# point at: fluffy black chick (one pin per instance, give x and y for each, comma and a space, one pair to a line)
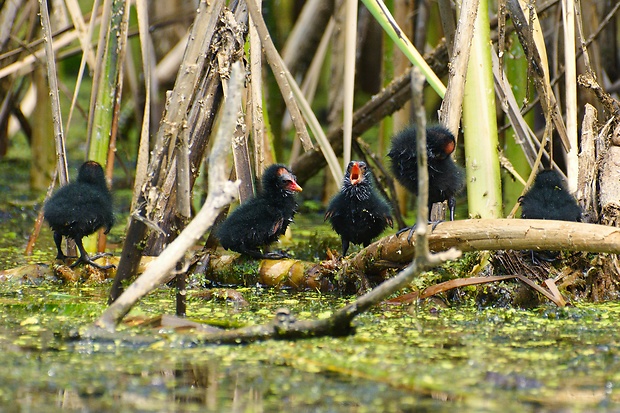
548, 198
80, 208
260, 221
358, 213
446, 179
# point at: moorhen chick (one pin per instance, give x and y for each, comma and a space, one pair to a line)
260, 221
446, 178
548, 198
358, 213
80, 208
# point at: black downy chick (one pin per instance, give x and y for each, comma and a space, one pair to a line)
358, 213
80, 208
548, 198
260, 221
446, 179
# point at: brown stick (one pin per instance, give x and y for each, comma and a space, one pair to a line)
463, 282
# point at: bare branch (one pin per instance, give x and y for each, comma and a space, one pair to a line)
221, 193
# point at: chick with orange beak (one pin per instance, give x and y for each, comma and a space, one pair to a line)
259, 222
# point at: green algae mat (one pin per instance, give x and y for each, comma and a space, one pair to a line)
402, 358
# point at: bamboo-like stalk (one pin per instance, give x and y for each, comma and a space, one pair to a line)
350, 34
99, 66
256, 97
110, 82
52, 76
451, 107
106, 96
146, 51
417, 91
570, 88
588, 189
480, 126
385, 19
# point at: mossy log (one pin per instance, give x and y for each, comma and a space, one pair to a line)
395, 251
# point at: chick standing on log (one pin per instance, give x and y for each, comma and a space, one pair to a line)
358, 213
260, 221
445, 178
79, 209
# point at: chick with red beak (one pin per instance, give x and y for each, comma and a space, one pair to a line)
358, 213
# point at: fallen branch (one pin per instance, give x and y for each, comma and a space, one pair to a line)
492, 234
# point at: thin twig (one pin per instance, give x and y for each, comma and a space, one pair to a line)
279, 72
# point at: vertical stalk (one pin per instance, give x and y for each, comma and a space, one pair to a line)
349, 77
516, 72
103, 119
52, 77
146, 50
570, 84
109, 81
480, 125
